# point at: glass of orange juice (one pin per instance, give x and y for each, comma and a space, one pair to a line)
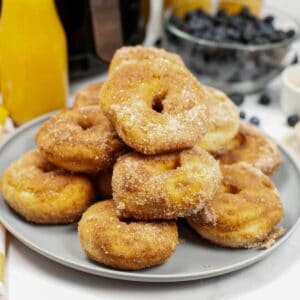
33, 59
206, 5
234, 6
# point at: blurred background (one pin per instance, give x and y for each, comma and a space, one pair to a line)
238, 46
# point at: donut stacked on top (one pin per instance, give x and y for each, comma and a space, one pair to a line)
160, 146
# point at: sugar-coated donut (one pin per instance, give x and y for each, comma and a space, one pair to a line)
246, 210
224, 121
88, 95
252, 146
133, 54
123, 245
164, 186
42, 193
155, 106
80, 140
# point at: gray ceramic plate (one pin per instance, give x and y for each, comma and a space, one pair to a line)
193, 259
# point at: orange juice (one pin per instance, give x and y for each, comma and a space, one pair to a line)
234, 6
184, 6
33, 59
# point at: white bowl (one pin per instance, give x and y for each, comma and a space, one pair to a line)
290, 91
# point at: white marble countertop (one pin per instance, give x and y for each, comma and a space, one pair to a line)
31, 276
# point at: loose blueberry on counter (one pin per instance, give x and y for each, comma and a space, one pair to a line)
295, 60
254, 120
242, 114
264, 99
158, 43
290, 33
237, 98
292, 120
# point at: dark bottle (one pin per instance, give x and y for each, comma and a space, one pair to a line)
96, 28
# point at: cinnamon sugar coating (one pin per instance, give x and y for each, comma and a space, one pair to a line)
164, 186
125, 245
135, 54
224, 121
88, 95
42, 193
155, 106
80, 140
252, 146
247, 209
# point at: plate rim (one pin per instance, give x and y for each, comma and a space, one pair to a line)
99, 270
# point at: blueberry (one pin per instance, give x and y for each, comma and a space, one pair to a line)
279, 36
201, 13
190, 15
264, 99
158, 43
242, 114
292, 120
254, 120
220, 34
295, 60
269, 19
245, 12
236, 22
232, 34
290, 33
266, 30
237, 98
248, 33
198, 25
222, 13
218, 22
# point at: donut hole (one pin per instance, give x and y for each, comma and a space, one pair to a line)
230, 189
157, 102
85, 124
172, 164
240, 141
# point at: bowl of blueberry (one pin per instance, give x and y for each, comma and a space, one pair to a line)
237, 52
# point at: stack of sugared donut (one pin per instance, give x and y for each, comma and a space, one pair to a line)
160, 146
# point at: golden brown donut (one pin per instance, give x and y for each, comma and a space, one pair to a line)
155, 111
224, 121
88, 95
42, 193
164, 186
80, 140
103, 184
133, 54
125, 245
246, 210
252, 146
